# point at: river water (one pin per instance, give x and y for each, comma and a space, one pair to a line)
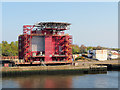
108, 80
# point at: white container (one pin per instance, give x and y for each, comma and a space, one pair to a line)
100, 55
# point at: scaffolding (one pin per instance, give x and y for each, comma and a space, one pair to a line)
57, 44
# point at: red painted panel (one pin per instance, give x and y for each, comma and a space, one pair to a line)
48, 48
6, 65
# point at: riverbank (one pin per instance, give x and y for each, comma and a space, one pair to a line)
111, 64
16, 71
78, 67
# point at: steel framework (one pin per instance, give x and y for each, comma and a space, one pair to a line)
57, 44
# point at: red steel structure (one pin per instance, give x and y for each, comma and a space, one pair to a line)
45, 42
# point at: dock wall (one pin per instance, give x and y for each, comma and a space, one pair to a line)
18, 71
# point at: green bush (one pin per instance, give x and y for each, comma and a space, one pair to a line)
79, 57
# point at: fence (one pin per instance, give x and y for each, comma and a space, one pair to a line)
9, 57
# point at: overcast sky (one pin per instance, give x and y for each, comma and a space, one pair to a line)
93, 23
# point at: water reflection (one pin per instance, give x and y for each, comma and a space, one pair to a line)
41, 81
109, 80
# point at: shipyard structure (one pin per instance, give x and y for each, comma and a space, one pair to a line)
45, 42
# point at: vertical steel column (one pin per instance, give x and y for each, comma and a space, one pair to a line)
27, 29
68, 49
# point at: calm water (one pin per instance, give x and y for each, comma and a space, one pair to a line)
109, 80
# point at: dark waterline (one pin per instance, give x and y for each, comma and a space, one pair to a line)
109, 80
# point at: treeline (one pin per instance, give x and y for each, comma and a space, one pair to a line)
12, 48
9, 49
83, 49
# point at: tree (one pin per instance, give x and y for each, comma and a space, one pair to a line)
0, 49
14, 47
9, 49
89, 48
6, 50
99, 48
75, 49
83, 49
